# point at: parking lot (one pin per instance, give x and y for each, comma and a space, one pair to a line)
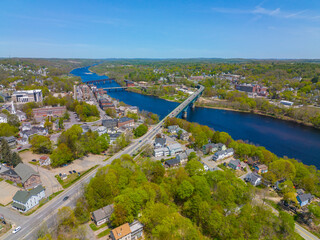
7, 192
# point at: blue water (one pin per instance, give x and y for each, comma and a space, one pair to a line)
281, 137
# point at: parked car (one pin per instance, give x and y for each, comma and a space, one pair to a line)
70, 172
4, 222
16, 229
34, 160
65, 198
74, 171
19, 147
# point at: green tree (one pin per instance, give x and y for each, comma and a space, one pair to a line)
81, 211
6, 130
61, 155
185, 190
15, 160
141, 130
194, 167
61, 126
41, 144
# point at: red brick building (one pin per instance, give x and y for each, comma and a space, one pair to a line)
128, 122
129, 83
49, 111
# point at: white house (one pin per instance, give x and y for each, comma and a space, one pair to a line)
101, 130
25, 200
159, 152
223, 154
253, 178
3, 118
26, 126
175, 149
21, 115
44, 160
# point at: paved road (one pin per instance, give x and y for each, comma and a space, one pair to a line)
31, 224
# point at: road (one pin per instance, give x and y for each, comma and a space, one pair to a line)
31, 224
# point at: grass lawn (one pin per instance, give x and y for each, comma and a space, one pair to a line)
104, 233
72, 178
95, 228
34, 163
92, 119
1, 179
8, 181
24, 150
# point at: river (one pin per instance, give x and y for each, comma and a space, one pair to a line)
280, 137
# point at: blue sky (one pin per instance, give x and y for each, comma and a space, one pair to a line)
160, 29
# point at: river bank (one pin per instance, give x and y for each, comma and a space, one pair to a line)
284, 138
205, 103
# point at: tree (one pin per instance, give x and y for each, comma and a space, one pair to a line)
13, 120
61, 126
66, 115
41, 144
194, 167
81, 211
15, 160
111, 112
192, 155
185, 190
6, 130
141, 130
5, 152
283, 169
61, 155
66, 217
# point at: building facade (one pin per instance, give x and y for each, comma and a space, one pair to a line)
27, 96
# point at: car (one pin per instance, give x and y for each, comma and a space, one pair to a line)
60, 174
16, 229
65, 198
74, 171
70, 172
140, 141
19, 148
4, 222
34, 160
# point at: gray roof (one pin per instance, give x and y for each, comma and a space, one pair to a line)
305, 197
188, 151
110, 123
161, 141
125, 119
253, 177
3, 115
235, 162
136, 226
24, 171
9, 139
182, 155
24, 196
174, 146
103, 213
172, 162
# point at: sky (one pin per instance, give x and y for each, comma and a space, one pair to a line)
160, 29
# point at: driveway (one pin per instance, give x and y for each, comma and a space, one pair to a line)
47, 176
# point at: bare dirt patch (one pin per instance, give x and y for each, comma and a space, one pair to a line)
7, 192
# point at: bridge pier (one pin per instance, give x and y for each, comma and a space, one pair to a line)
193, 106
185, 114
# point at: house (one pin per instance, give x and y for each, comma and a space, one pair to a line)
205, 166
23, 201
22, 174
185, 136
101, 130
212, 147
22, 141
102, 215
44, 160
85, 128
172, 163
223, 154
175, 149
114, 136
159, 142
136, 230
12, 141
25, 126
133, 109
188, 151
173, 128
305, 199
261, 168
21, 115
182, 157
129, 83
159, 152
235, 164
3, 118
125, 121
253, 178
110, 123
122, 232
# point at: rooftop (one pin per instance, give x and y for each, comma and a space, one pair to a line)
121, 231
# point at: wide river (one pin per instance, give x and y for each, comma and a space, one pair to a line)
281, 137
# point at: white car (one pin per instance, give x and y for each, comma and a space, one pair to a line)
16, 230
